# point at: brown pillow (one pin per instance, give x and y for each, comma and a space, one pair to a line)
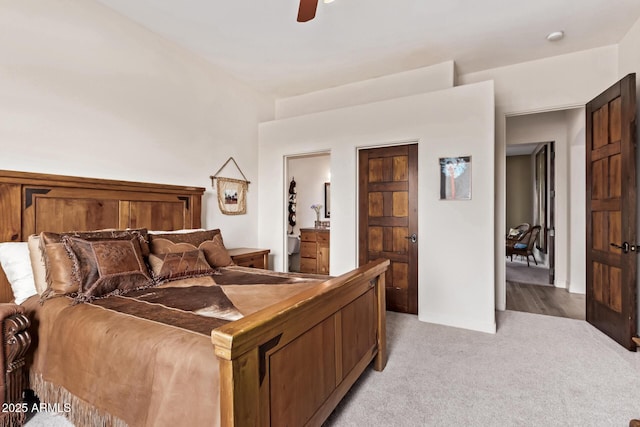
210, 242
59, 278
215, 252
37, 263
140, 233
158, 241
59, 264
107, 267
179, 265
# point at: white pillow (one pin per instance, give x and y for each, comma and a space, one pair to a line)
16, 263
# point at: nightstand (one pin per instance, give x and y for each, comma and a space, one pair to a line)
250, 257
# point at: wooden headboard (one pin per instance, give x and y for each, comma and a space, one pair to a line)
33, 202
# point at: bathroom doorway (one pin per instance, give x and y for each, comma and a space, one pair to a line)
307, 186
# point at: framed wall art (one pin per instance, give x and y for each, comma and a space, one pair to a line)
232, 193
455, 178
232, 196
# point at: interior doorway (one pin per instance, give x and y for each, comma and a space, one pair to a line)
543, 190
307, 201
530, 190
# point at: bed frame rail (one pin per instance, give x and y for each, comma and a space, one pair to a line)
291, 363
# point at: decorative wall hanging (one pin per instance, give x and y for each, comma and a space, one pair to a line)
292, 204
232, 193
455, 178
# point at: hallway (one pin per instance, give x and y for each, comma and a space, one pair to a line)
528, 291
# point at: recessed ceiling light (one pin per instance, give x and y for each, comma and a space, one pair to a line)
328, 1
555, 36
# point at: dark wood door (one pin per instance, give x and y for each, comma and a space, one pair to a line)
388, 219
611, 212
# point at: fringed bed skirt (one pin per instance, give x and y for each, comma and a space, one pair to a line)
12, 419
80, 413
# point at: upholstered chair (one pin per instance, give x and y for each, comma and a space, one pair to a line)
524, 245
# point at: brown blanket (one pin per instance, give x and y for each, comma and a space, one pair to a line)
146, 358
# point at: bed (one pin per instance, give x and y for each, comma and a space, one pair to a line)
287, 359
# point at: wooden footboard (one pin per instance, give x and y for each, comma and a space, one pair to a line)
291, 364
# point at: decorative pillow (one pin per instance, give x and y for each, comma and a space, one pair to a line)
59, 267
215, 252
37, 263
107, 267
179, 265
156, 241
140, 233
210, 242
59, 264
520, 246
513, 232
15, 261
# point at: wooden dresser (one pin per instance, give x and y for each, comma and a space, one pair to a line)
314, 250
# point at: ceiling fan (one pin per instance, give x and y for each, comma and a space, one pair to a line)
307, 9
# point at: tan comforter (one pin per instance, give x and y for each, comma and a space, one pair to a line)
146, 359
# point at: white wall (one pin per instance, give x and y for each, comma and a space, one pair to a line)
577, 200
519, 191
554, 83
450, 122
421, 80
84, 91
629, 55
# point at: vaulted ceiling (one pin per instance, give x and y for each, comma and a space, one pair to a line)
260, 42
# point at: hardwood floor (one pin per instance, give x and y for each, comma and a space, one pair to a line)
547, 300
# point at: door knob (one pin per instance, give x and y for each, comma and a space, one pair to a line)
413, 238
626, 247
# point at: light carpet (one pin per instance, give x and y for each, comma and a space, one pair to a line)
48, 419
535, 371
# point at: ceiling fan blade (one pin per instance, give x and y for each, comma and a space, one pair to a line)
307, 10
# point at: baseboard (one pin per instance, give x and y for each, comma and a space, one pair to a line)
470, 324
562, 284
